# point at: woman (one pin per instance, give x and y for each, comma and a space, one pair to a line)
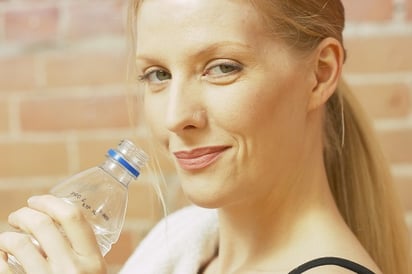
247, 98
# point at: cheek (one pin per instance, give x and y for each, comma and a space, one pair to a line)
232, 113
154, 118
245, 108
269, 116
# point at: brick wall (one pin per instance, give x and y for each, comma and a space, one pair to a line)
379, 70
63, 97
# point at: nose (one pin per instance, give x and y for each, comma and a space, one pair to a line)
185, 109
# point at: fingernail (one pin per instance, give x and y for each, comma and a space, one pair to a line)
32, 199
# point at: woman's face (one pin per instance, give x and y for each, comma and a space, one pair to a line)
225, 99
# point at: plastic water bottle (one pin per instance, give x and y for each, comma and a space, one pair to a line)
102, 193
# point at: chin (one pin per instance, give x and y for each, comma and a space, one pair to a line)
208, 190
204, 199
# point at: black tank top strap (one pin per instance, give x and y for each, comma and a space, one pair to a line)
356, 268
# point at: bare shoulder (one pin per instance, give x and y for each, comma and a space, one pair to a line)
354, 253
329, 270
336, 265
336, 240
350, 254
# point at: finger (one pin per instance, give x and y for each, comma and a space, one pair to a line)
21, 247
52, 242
4, 266
3, 256
77, 229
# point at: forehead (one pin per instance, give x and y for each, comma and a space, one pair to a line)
171, 21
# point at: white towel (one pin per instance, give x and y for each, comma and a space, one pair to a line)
180, 244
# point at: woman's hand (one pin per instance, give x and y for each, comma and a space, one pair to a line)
73, 251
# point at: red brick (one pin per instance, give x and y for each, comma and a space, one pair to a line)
92, 152
368, 10
12, 199
33, 159
385, 100
17, 73
397, 145
85, 18
379, 54
68, 113
4, 116
404, 189
85, 69
31, 23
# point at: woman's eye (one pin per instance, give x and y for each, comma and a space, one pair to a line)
156, 76
223, 69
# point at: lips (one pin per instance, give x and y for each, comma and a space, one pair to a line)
199, 158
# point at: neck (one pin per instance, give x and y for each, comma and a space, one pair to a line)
268, 231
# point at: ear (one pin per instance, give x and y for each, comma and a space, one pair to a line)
328, 61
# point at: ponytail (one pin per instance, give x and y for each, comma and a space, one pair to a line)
361, 183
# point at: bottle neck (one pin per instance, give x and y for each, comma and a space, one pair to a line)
117, 171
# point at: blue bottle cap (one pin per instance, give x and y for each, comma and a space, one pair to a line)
119, 158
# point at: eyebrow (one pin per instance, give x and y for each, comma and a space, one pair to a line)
219, 45
215, 47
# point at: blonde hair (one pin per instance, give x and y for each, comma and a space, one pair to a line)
358, 174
